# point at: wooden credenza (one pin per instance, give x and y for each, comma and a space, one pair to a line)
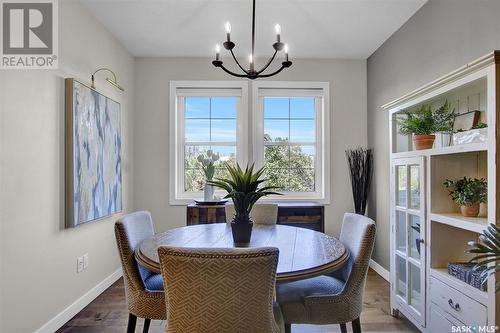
309, 215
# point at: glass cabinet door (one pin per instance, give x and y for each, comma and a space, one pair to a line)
407, 227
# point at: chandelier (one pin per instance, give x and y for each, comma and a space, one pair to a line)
252, 73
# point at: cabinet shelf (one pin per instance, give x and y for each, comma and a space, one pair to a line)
474, 224
465, 148
466, 289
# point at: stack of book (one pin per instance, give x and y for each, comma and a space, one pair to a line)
464, 271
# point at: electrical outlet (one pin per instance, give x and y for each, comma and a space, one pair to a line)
79, 264
85, 261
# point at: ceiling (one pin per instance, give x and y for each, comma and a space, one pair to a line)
312, 28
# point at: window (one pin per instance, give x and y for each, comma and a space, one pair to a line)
290, 136
289, 127
207, 121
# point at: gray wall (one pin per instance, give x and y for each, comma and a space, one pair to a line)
442, 36
38, 257
151, 128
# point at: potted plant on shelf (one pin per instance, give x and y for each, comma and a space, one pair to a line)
469, 193
242, 187
423, 123
208, 161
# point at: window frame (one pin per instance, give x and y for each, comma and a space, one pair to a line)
319, 90
178, 91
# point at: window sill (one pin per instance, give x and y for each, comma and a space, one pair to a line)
284, 198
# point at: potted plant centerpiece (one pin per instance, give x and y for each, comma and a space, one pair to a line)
423, 123
469, 193
207, 161
242, 187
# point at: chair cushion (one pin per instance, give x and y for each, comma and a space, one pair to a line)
278, 318
290, 296
152, 281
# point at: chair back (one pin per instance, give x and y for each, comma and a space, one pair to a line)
130, 231
219, 290
262, 213
358, 236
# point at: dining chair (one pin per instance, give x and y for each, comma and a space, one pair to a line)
262, 213
220, 290
336, 298
143, 289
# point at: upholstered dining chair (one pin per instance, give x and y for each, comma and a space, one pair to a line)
220, 290
143, 289
336, 298
262, 213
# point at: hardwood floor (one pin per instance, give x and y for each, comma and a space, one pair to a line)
108, 313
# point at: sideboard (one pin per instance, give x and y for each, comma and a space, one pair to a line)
309, 215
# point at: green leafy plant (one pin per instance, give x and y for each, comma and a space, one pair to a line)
467, 191
425, 121
487, 252
243, 188
207, 161
480, 125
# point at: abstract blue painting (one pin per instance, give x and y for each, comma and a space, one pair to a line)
94, 180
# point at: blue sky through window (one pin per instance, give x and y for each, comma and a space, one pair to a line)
291, 119
210, 119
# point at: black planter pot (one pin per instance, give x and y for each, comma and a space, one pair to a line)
242, 231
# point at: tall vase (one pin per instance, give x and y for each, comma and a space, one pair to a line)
208, 192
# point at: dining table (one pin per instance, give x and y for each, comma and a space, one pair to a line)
303, 253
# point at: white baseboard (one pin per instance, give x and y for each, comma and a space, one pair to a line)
64, 316
380, 270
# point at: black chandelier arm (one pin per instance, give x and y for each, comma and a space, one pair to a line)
276, 72
232, 73
253, 29
238, 63
268, 63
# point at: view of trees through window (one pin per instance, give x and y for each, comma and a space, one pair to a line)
289, 142
289, 139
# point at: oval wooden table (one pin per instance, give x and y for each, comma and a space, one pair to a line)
303, 253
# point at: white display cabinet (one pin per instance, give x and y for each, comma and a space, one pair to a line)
427, 229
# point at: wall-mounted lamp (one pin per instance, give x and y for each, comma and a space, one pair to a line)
112, 81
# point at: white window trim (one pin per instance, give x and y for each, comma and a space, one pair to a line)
176, 163
322, 194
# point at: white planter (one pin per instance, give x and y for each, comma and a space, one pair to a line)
208, 192
471, 136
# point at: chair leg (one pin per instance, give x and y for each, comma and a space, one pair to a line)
288, 328
147, 322
356, 325
343, 328
132, 320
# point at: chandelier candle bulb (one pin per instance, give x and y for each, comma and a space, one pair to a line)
228, 31
217, 52
286, 52
277, 28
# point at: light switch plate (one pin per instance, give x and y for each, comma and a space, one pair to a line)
79, 264
85, 261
